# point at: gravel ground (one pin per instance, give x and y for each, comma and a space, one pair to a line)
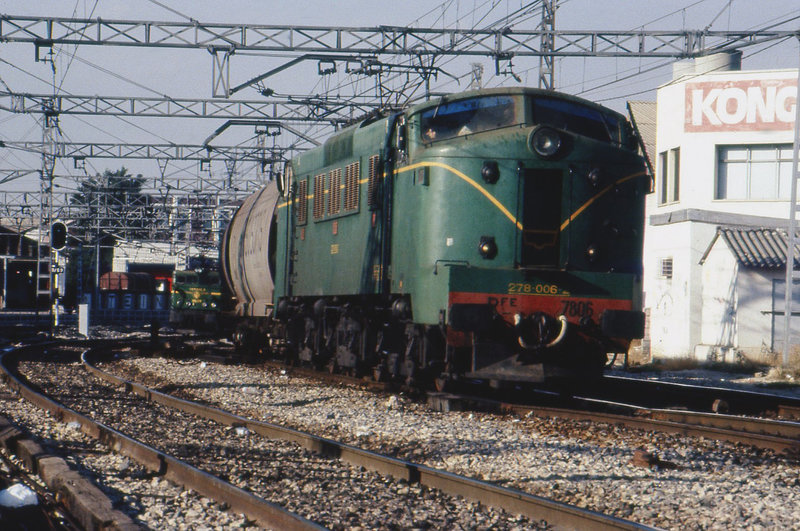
713, 485
324, 490
151, 501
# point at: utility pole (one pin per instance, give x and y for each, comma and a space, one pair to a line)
792, 273
44, 262
546, 70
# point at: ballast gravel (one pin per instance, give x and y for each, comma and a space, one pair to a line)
151, 501
713, 485
322, 489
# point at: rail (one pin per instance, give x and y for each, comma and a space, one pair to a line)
262, 511
780, 436
556, 514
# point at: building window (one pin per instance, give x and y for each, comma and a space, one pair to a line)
754, 172
669, 170
666, 268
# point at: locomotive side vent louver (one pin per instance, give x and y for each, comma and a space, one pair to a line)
352, 174
372, 185
319, 196
302, 201
335, 191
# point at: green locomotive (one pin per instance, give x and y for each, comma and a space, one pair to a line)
197, 298
493, 234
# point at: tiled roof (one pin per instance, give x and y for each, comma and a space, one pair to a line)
757, 248
643, 115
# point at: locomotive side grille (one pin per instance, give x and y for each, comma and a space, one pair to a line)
372, 186
302, 201
335, 191
319, 196
352, 174
541, 217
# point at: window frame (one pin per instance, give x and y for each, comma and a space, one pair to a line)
749, 163
669, 176
666, 269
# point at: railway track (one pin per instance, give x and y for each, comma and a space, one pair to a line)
651, 405
541, 511
545, 456
164, 464
642, 404
700, 398
777, 435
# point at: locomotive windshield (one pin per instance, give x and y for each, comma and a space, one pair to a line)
576, 118
464, 117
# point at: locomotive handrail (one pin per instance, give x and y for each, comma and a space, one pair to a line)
447, 263
562, 333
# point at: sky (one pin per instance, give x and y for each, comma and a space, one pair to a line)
121, 71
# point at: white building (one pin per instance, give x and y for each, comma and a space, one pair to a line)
743, 295
723, 159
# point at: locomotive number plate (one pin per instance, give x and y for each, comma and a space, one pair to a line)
523, 288
576, 308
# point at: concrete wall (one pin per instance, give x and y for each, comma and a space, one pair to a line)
720, 298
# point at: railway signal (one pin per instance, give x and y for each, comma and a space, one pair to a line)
58, 235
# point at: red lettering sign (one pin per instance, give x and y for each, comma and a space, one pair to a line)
744, 105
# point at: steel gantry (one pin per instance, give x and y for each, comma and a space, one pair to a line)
296, 109
387, 40
361, 49
222, 40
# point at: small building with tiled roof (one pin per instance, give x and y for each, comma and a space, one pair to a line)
712, 245
744, 278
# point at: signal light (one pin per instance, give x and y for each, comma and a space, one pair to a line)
58, 235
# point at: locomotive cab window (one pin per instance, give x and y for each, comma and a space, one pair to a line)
575, 118
466, 117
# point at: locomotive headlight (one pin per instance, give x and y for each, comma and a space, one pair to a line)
546, 141
594, 177
592, 253
487, 247
490, 171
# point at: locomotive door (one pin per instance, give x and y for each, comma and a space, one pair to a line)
541, 217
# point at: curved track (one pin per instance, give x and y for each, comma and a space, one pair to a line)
262, 511
557, 515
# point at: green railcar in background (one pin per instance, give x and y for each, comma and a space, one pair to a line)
196, 299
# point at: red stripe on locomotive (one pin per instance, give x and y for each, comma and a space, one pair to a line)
574, 308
